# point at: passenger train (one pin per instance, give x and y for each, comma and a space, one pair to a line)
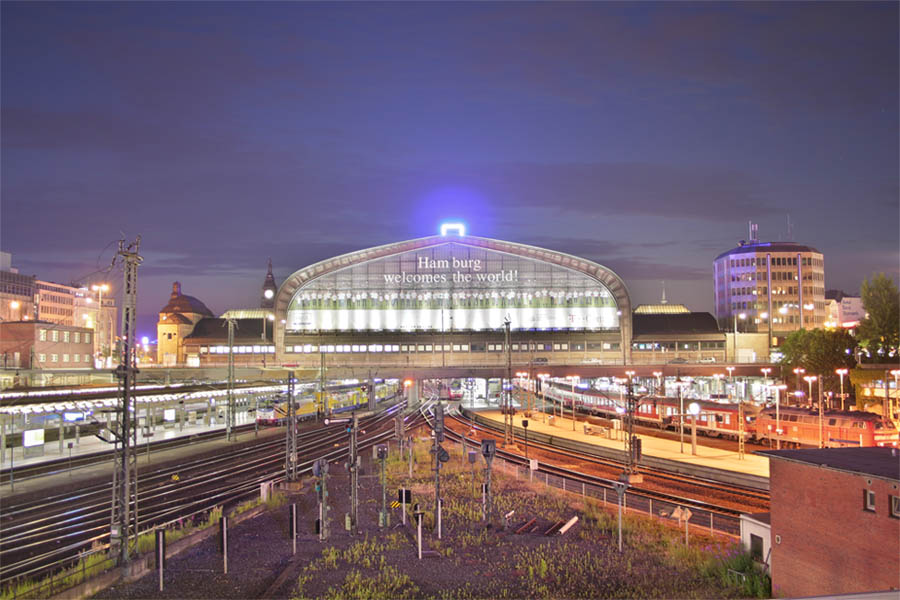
798, 426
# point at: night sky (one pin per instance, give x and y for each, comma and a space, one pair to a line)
642, 136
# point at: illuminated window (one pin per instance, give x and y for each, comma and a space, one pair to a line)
54, 336
87, 338
42, 357
54, 358
66, 337
77, 339
42, 335
895, 506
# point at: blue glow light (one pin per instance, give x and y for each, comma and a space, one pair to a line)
458, 228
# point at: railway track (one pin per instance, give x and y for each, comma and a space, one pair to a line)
708, 494
42, 536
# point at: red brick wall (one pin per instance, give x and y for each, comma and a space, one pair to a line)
829, 544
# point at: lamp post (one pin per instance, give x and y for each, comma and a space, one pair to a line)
765, 372
798, 371
694, 409
778, 389
680, 385
572, 379
841, 373
718, 379
658, 375
809, 380
896, 374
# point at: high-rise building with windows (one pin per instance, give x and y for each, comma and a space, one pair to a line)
774, 287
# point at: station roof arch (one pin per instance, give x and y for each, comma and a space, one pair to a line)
443, 262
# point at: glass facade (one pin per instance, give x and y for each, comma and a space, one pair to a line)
452, 287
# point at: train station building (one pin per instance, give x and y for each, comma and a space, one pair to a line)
446, 301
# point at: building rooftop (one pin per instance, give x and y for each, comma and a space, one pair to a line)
246, 331
755, 247
661, 309
875, 461
692, 322
182, 303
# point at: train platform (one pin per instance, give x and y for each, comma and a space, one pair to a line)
64, 478
85, 444
706, 456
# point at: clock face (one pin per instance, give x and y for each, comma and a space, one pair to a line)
268, 294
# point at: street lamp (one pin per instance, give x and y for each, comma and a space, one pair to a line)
658, 375
798, 371
572, 379
841, 373
765, 372
809, 380
694, 409
680, 385
778, 389
896, 374
718, 377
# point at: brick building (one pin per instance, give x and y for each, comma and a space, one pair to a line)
835, 521
43, 345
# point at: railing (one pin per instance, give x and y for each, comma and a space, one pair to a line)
635, 501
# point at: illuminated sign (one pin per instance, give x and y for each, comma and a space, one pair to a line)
169, 414
73, 416
33, 437
452, 287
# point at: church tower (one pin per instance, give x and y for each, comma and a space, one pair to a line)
268, 290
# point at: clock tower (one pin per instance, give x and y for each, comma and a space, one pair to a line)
268, 290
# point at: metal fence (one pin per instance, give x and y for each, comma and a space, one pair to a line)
632, 501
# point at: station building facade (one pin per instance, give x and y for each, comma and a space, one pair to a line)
448, 300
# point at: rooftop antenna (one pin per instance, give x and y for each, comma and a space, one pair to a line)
790, 232
753, 232
663, 301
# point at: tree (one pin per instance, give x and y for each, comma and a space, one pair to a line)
820, 352
879, 331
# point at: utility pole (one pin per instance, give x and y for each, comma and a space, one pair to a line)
320, 470
322, 385
632, 442
124, 521
229, 414
440, 455
508, 436
354, 476
290, 459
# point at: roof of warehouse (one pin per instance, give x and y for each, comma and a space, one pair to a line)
875, 461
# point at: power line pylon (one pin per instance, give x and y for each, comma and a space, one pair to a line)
124, 516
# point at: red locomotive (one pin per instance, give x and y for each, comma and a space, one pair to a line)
800, 427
